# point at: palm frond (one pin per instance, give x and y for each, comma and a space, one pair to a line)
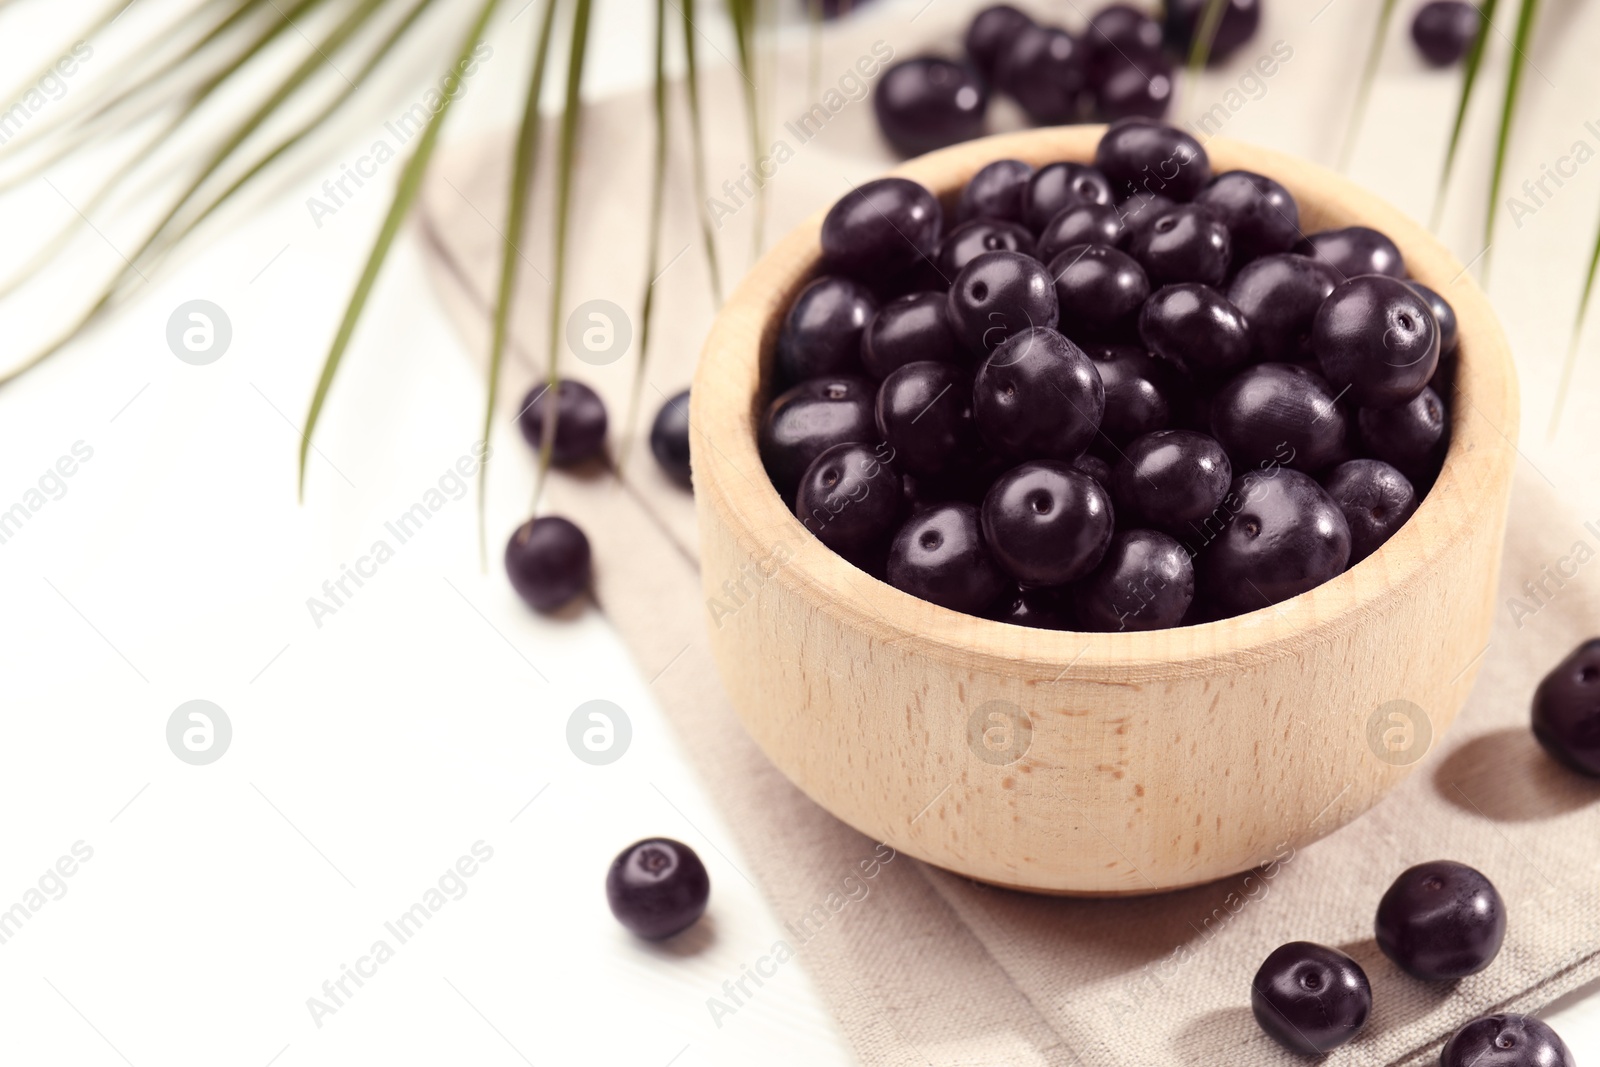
742, 13
698, 146
1369, 72
1469, 79
1508, 108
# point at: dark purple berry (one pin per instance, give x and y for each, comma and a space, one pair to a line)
1376, 500
995, 192
1441, 921
1080, 224
1276, 413
1099, 291
1145, 582
1140, 211
1310, 998
1094, 467
1566, 710
1285, 536
881, 229
1411, 438
1197, 325
1173, 480
547, 560
1042, 69
1041, 609
939, 556
906, 330
1506, 1040
821, 334
1144, 158
1443, 31
929, 102
1144, 393
1000, 295
1376, 338
972, 239
801, 424
1135, 90
669, 438
924, 411
1354, 251
1279, 296
1038, 396
850, 499
657, 887
1058, 186
1182, 244
1119, 34
580, 430
1261, 217
1047, 524
1185, 19
990, 32
1443, 314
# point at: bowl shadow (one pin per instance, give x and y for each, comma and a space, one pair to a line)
1505, 776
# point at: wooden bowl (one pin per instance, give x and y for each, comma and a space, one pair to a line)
1097, 764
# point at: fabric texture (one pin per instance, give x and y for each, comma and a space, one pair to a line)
928, 967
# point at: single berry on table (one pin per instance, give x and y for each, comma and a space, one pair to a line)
1143, 158
972, 239
547, 560
1183, 244
821, 334
1277, 413
1198, 325
1058, 186
808, 419
657, 887
995, 192
1376, 500
1047, 524
669, 438
1000, 295
1279, 297
928, 102
1441, 921
1566, 710
939, 556
1310, 998
1261, 217
580, 414
1042, 68
850, 499
990, 32
1284, 536
881, 229
924, 412
1038, 396
908, 329
1175, 481
1099, 291
1376, 340
1444, 29
1144, 582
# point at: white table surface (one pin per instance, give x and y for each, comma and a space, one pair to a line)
372, 751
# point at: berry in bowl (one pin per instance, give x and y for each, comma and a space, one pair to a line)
1086, 567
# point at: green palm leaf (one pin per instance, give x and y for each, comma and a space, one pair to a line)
1469, 79
698, 145
1519, 60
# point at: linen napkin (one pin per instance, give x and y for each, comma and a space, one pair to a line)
919, 965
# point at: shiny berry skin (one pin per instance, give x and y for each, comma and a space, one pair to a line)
580, 431
1566, 710
821, 334
1286, 536
1279, 296
1276, 413
1376, 501
669, 438
1506, 1040
999, 295
1144, 582
908, 329
939, 556
972, 239
990, 32
1444, 29
1140, 157
1041, 609
1144, 393
1183, 244
850, 499
1135, 90
1175, 481
1140, 211
802, 423
1354, 251
1441, 921
1376, 337
928, 103
1198, 325
1058, 186
924, 411
1443, 314
881, 229
1043, 70
1310, 998
995, 192
1046, 523
1240, 20
1410, 438
1099, 291
1038, 396
1261, 216
547, 560
657, 887
1094, 467
1080, 224
1119, 34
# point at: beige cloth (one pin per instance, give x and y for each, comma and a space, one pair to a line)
930, 968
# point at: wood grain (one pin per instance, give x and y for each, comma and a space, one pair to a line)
1155, 760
